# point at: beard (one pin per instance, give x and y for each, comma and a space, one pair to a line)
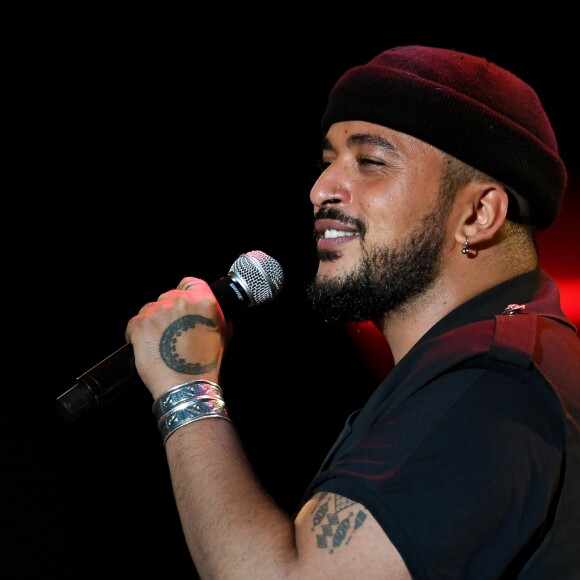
387, 277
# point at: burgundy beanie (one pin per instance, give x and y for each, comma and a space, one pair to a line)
465, 106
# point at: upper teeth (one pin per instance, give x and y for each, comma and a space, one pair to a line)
338, 233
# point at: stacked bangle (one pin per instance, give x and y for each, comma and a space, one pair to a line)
186, 403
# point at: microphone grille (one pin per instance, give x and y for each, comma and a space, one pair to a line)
261, 274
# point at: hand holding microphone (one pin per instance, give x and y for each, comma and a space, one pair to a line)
254, 278
185, 329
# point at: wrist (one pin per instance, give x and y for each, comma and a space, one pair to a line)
187, 403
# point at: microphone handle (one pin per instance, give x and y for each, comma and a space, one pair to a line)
100, 384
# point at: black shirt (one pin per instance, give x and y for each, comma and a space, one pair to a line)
468, 453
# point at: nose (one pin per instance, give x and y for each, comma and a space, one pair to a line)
330, 188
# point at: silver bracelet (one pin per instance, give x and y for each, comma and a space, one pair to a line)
183, 392
189, 412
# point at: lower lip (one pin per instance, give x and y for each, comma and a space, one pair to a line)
332, 243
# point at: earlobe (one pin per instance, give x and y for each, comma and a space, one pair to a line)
467, 251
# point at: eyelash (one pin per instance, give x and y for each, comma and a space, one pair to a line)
322, 165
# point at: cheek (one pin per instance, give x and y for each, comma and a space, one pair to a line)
389, 217
385, 227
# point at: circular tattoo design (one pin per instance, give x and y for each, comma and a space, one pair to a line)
168, 345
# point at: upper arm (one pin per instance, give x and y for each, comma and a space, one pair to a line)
341, 538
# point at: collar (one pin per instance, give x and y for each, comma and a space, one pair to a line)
534, 291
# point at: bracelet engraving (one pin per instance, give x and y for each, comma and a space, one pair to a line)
180, 393
189, 412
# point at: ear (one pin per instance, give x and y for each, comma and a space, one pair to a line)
483, 211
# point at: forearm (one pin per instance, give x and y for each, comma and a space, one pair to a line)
232, 527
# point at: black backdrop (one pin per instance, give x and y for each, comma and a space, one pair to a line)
143, 154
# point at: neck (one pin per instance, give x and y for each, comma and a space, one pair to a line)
460, 280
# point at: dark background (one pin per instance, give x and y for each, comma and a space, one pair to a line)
146, 150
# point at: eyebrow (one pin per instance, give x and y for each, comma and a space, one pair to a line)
363, 139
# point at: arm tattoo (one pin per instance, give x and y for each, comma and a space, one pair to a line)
168, 345
334, 520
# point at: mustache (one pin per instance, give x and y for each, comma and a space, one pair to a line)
333, 213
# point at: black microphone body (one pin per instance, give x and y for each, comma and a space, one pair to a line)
254, 278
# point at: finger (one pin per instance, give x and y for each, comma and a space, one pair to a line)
147, 307
188, 283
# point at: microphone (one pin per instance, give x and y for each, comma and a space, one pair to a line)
253, 279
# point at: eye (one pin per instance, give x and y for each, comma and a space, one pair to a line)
370, 161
